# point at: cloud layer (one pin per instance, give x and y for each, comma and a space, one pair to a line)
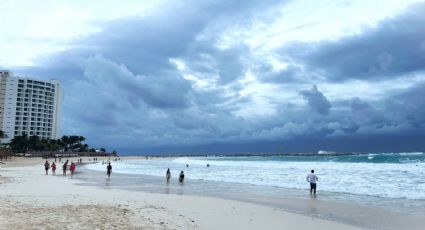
198, 76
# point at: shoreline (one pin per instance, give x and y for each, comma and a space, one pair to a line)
341, 212
57, 197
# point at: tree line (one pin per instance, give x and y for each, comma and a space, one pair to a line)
24, 143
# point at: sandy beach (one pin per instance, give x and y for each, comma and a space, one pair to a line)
32, 200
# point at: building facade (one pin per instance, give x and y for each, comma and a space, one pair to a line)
29, 107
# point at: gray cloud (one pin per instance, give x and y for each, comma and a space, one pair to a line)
291, 74
393, 47
162, 90
122, 87
316, 100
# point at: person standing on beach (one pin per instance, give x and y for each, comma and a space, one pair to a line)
46, 167
312, 179
72, 168
53, 168
109, 169
168, 175
64, 166
181, 177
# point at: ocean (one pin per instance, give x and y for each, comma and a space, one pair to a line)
391, 175
387, 181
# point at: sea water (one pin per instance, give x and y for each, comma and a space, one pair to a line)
377, 191
391, 175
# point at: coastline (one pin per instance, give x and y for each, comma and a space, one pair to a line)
38, 199
341, 210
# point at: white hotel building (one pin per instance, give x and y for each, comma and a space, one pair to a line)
29, 106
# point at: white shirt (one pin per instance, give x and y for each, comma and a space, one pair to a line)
312, 178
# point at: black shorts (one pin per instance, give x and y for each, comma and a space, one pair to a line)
312, 185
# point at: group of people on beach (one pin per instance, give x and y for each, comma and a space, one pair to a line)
53, 166
47, 166
311, 177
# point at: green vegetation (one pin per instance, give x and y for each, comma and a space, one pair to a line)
23, 144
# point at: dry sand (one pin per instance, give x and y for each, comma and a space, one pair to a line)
31, 200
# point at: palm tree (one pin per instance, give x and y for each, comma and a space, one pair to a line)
74, 141
19, 144
34, 143
2, 135
81, 139
65, 142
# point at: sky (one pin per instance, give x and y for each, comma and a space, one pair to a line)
228, 76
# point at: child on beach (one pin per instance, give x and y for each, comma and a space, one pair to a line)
181, 177
72, 168
109, 169
168, 175
53, 168
46, 167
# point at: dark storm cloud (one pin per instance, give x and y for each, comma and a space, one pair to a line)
123, 87
408, 107
290, 74
364, 113
393, 47
121, 83
163, 90
316, 100
227, 64
146, 45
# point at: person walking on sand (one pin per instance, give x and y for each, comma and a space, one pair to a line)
168, 175
46, 167
312, 179
109, 169
64, 166
72, 168
181, 177
53, 168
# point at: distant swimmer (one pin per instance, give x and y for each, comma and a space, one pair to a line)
109, 169
312, 179
208, 165
181, 177
187, 166
168, 175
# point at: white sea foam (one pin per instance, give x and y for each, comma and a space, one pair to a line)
390, 180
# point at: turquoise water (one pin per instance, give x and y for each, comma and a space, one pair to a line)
390, 182
402, 158
396, 176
